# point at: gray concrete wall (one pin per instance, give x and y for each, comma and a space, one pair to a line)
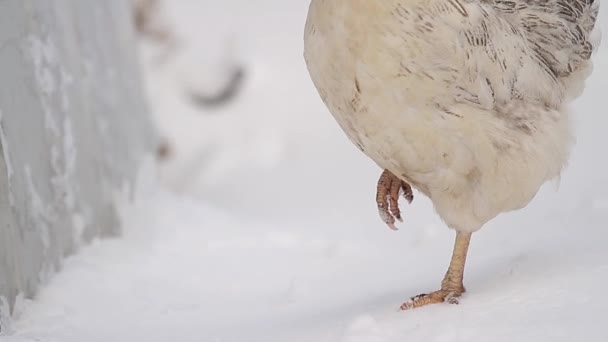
73, 128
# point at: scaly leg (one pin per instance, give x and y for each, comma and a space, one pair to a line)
451, 286
387, 197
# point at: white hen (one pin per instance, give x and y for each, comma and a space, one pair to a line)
464, 100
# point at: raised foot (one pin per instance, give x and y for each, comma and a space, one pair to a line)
387, 197
436, 297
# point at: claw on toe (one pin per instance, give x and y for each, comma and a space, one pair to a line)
436, 297
390, 187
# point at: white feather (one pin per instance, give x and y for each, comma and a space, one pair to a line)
449, 95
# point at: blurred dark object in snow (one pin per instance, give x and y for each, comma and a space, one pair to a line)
225, 94
151, 25
213, 87
163, 151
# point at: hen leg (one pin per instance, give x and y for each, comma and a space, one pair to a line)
451, 286
387, 197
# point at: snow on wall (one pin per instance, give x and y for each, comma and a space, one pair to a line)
73, 127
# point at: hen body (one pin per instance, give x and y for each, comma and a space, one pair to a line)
465, 100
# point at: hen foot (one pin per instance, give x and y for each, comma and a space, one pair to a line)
440, 296
387, 197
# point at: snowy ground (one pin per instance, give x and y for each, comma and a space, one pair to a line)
263, 226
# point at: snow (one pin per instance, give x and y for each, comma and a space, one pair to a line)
44, 55
7, 159
262, 226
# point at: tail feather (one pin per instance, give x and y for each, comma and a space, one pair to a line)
561, 32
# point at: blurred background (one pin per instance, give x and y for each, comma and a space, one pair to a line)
266, 147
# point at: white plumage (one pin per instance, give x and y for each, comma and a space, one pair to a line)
464, 100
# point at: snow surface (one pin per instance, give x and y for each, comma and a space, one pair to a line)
263, 227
